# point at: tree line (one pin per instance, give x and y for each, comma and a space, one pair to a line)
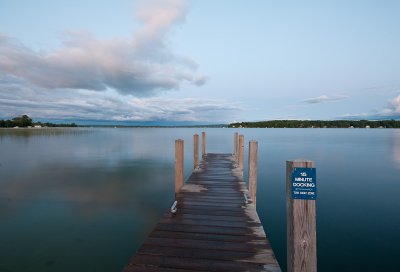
318, 124
26, 121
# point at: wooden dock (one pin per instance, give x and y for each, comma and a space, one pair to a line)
213, 229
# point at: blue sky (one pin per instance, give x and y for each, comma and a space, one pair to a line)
200, 61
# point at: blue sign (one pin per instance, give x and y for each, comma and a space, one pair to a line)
304, 183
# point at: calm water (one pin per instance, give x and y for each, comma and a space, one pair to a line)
85, 199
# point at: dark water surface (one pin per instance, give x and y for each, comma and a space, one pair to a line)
85, 199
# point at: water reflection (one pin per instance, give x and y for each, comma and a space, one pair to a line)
396, 148
93, 187
78, 199
34, 132
84, 199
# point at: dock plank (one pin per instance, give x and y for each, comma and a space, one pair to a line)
213, 229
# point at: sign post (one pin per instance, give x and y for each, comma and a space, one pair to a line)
253, 170
301, 193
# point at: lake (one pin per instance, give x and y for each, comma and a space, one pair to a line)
84, 199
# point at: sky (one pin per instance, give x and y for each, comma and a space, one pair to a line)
199, 61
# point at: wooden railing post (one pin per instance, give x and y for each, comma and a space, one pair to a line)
195, 151
253, 168
235, 147
241, 152
301, 222
178, 165
203, 143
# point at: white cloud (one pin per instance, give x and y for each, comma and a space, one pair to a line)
117, 79
325, 98
392, 111
395, 105
18, 97
142, 65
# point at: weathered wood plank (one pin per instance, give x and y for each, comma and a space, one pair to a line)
201, 264
213, 229
229, 204
197, 210
254, 246
210, 208
212, 196
211, 223
151, 268
209, 217
208, 253
206, 229
205, 236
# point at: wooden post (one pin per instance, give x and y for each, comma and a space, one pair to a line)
301, 227
235, 147
241, 152
203, 143
178, 165
253, 150
195, 151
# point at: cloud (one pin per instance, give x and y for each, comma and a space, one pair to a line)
187, 109
325, 98
142, 65
392, 111
157, 17
395, 105
18, 97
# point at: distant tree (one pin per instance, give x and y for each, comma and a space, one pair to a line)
22, 121
319, 124
9, 123
25, 121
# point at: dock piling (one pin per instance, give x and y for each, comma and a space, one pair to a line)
203, 144
301, 226
241, 152
178, 165
195, 151
253, 168
235, 147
